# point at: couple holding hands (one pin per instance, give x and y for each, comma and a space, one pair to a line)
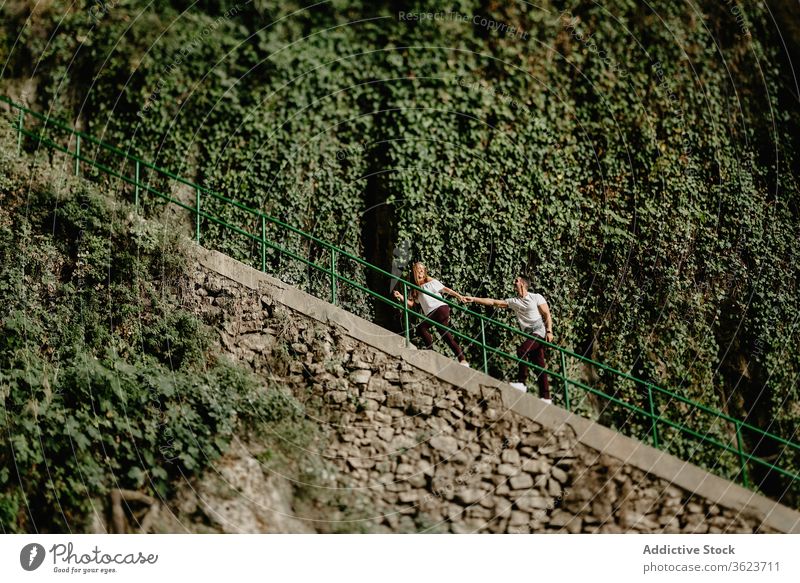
530, 308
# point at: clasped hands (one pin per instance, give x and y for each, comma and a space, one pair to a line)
465, 299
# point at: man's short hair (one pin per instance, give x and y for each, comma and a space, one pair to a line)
526, 280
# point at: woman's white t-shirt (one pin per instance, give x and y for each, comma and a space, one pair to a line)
430, 303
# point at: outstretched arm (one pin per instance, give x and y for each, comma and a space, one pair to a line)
486, 302
455, 294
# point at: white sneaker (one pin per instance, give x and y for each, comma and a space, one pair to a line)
548, 401
464, 363
520, 387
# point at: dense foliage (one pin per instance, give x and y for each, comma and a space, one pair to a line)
104, 383
637, 160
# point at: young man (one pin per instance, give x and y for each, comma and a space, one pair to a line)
534, 318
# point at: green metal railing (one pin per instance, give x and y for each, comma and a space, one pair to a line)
330, 270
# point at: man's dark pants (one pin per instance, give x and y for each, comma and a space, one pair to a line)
533, 351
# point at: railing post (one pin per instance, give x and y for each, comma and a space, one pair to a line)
745, 477
653, 415
197, 216
483, 348
77, 155
405, 313
19, 132
263, 243
136, 188
564, 378
333, 276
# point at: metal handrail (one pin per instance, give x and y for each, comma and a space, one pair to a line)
337, 278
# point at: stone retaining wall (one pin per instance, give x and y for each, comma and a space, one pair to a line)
408, 450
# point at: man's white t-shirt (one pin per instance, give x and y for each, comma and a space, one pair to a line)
527, 311
430, 303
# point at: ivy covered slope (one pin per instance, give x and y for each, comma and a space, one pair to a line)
638, 161
104, 383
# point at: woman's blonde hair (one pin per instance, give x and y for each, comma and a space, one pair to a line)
425, 276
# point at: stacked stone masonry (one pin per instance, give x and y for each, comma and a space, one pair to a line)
407, 452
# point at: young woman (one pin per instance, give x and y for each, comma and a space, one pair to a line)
433, 308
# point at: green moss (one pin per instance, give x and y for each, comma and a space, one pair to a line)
105, 381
